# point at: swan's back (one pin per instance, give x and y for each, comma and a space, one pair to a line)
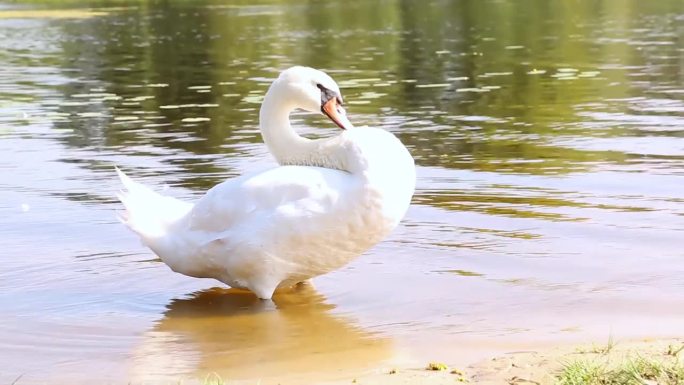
283, 193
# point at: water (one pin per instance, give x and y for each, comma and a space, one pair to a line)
550, 202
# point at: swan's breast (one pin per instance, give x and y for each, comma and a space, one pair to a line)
386, 166
339, 238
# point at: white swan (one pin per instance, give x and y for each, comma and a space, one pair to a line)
330, 200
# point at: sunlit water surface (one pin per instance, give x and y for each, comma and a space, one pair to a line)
549, 138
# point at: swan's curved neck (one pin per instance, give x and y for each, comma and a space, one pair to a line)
288, 147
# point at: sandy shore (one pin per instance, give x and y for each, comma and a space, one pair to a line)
522, 367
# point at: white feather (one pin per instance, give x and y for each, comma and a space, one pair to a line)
148, 213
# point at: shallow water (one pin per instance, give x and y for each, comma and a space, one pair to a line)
550, 202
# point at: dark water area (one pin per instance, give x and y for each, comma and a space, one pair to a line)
549, 139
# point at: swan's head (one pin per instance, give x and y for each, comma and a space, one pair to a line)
314, 91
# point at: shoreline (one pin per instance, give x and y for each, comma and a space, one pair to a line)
525, 367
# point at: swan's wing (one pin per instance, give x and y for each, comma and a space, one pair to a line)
287, 194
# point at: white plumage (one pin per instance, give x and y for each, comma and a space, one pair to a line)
329, 201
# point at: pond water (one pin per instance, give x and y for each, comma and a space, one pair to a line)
549, 138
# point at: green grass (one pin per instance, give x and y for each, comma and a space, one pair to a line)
632, 371
600, 349
581, 373
213, 379
673, 350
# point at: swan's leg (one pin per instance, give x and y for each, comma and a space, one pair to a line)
264, 287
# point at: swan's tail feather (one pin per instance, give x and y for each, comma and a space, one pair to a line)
148, 213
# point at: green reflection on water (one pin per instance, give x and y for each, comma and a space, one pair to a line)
500, 86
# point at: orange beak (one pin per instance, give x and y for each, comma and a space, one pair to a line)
332, 108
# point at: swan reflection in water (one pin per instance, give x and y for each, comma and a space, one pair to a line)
237, 336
